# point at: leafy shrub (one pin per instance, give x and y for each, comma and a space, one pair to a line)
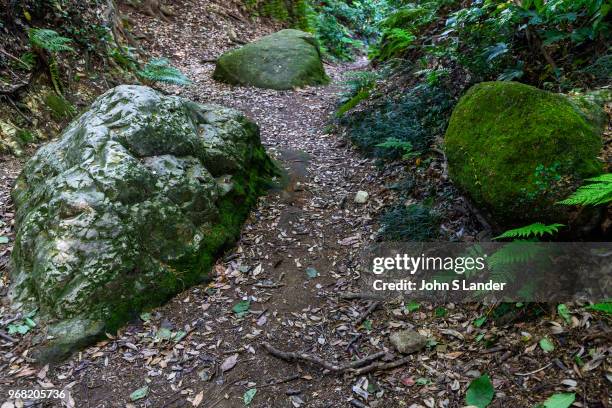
537, 39
359, 85
342, 28
395, 42
401, 28
409, 223
415, 117
334, 38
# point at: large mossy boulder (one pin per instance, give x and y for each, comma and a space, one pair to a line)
131, 205
516, 149
283, 60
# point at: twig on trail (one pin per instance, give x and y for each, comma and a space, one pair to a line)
605, 334
281, 381
269, 285
7, 337
373, 306
352, 296
381, 366
353, 340
357, 403
534, 371
292, 356
259, 314
494, 350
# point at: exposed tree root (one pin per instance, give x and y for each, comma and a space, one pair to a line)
357, 367
293, 356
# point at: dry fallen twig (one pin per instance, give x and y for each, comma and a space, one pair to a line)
534, 371
381, 366
373, 306
7, 337
293, 356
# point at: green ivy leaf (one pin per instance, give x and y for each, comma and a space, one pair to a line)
547, 345
480, 321
145, 317
4, 240
242, 308
163, 334
18, 328
249, 395
480, 392
423, 381
139, 393
560, 400
368, 325
412, 306
312, 273
564, 312
179, 335
440, 312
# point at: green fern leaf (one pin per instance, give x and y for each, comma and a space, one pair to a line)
404, 146
160, 70
534, 230
49, 40
516, 252
597, 193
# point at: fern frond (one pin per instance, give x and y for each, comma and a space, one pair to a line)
160, 70
404, 146
49, 40
394, 143
55, 76
516, 252
598, 193
534, 230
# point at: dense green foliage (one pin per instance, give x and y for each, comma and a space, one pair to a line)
343, 27
416, 117
409, 223
553, 43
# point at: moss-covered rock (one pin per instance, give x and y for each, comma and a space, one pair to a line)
283, 60
516, 149
131, 205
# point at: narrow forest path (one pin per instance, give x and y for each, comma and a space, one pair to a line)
309, 226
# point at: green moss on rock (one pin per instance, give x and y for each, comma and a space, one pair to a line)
516, 149
133, 204
283, 60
